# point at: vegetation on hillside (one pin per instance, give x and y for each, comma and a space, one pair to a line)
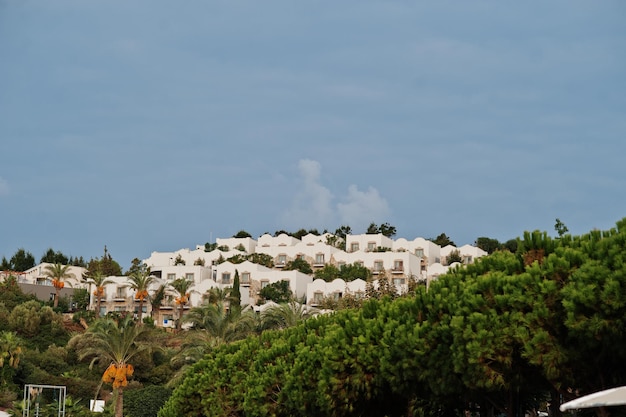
513, 332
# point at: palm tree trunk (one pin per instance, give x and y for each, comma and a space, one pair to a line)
119, 403
56, 297
98, 301
140, 314
179, 325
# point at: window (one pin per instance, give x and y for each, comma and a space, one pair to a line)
300, 256
171, 277
337, 295
419, 252
189, 276
354, 246
226, 278
358, 263
398, 265
318, 297
264, 284
120, 292
371, 246
214, 275
245, 278
359, 295
319, 259
378, 266
119, 309
341, 264
282, 260
399, 281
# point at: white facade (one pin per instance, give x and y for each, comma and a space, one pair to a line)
37, 275
397, 260
338, 288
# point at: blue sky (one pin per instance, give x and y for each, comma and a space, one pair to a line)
152, 125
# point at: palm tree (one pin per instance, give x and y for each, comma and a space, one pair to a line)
58, 273
212, 326
156, 298
115, 343
11, 350
140, 281
218, 295
221, 324
100, 281
285, 315
182, 286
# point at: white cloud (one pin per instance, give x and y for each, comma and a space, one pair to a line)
360, 208
4, 187
313, 205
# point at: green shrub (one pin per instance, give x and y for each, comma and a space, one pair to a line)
145, 402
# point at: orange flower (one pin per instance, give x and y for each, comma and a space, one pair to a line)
110, 373
141, 295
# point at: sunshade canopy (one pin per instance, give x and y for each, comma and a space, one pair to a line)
613, 396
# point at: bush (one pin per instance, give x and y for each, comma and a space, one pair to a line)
145, 402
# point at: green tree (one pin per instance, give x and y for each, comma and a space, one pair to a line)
5, 265
182, 286
488, 245
52, 257
136, 265
235, 293
212, 325
58, 274
560, 228
81, 299
387, 230
350, 272
372, 229
179, 260
115, 344
156, 298
242, 234
222, 325
140, 281
454, 256
145, 402
338, 239
278, 292
218, 295
107, 265
11, 351
299, 264
11, 293
328, 273
442, 240
285, 315
261, 259
22, 260
100, 281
